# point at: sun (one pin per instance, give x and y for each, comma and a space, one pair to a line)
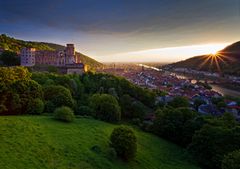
215, 59
213, 52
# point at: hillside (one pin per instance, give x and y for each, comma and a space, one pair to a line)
41, 142
15, 45
228, 60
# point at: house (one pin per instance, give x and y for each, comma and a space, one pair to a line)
231, 103
209, 109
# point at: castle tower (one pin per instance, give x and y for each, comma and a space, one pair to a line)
28, 56
70, 54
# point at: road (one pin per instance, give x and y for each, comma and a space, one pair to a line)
225, 92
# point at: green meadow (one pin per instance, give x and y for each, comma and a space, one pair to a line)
37, 142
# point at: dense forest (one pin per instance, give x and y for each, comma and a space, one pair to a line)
213, 141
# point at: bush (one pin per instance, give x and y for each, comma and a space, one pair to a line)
169, 123
64, 114
139, 110
179, 102
124, 141
232, 160
59, 96
84, 110
49, 107
105, 107
35, 107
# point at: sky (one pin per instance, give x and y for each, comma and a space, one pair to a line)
126, 30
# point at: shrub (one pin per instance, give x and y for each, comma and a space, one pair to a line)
231, 160
59, 96
36, 106
179, 102
169, 123
64, 114
139, 110
105, 107
124, 141
49, 107
84, 110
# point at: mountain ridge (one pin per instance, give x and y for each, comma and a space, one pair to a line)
225, 61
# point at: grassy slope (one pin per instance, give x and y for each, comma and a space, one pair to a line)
40, 142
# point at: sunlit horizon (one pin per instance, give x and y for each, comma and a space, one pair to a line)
169, 54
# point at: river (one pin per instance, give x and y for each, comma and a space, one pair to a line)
225, 91
217, 88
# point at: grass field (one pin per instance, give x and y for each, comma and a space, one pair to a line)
36, 142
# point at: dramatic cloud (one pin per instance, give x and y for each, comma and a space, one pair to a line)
123, 25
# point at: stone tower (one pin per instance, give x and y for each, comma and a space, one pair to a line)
70, 54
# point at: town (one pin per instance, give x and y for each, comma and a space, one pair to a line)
173, 86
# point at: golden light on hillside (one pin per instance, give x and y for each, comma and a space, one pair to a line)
168, 54
216, 60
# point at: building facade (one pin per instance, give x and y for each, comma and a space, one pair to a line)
28, 56
67, 60
31, 57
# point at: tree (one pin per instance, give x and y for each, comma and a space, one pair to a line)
106, 107
17, 90
52, 69
169, 123
124, 141
59, 96
198, 102
84, 110
221, 104
139, 110
179, 102
189, 129
113, 92
211, 143
228, 120
126, 102
231, 160
10, 58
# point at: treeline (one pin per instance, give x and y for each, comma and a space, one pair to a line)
15, 45
19, 88
214, 141
9, 58
210, 139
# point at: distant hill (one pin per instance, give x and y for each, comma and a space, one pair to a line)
15, 45
226, 61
